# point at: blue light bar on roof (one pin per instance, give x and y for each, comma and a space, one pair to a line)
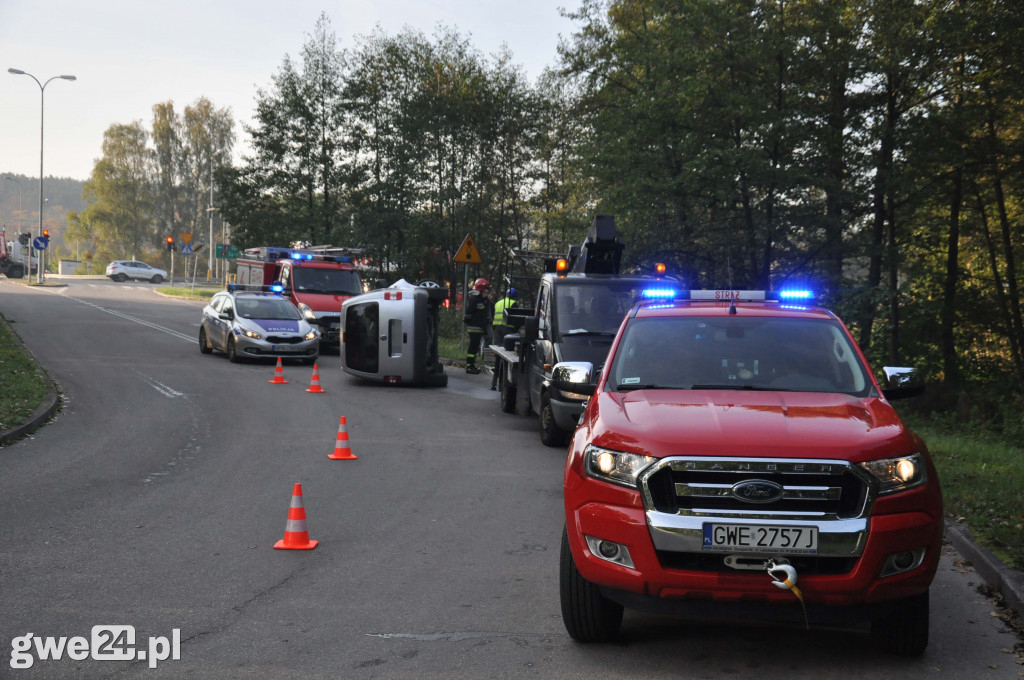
659, 293
791, 294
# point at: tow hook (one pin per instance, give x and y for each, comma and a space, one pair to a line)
784, 577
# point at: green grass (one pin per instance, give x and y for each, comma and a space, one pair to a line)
24, 386
188, 293
982, 484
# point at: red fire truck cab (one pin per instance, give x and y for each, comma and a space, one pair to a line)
316, 280
738, 458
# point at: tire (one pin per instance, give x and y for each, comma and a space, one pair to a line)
904, 630
156, 279
506, 390
120, 278
204, 342
232, 352
16, 271
550, 433
588, 616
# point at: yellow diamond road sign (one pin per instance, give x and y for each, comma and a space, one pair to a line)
468, 252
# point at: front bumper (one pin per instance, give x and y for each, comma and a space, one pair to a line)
250, 347
330, 329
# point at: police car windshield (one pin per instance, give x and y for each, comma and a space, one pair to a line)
267, 308
325, 281
594, 308
738, 353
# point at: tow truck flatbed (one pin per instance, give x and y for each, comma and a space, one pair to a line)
507, 355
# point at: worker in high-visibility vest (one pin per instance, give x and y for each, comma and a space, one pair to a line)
502, 326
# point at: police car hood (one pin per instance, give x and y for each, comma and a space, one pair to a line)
739, 423
275, 325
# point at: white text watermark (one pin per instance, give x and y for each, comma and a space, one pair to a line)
105, 643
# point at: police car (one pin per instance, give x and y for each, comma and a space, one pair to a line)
738, 455
252, 322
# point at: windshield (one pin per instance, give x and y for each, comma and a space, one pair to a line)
594, 308
277, 309
742, 353
324, 281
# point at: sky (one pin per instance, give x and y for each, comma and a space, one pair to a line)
128, 55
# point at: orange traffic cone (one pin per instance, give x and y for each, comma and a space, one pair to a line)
296, 536
341, 449
315, 385
278, 374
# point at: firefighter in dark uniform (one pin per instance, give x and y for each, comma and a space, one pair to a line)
476, 316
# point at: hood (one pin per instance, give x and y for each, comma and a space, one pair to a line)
322, 303
277, 325
735, 423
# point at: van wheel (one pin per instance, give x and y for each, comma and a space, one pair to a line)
587, 614
550, 433
904, 630
506, 390
204, 343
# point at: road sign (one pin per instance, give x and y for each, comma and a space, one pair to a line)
186, 238
468, 252
186, 249
228, 251
40, 242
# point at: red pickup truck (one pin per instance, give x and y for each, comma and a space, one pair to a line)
738, 458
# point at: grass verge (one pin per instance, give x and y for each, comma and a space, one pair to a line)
189, 293
982, 484
24, 385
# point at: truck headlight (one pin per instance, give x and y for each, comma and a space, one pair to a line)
307, 311
616, 467
897, 474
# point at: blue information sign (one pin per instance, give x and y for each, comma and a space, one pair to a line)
40, 242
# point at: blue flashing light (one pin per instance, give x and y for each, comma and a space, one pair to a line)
277, 288
659, 293
796, 295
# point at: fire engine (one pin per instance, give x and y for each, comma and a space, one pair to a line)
317, 279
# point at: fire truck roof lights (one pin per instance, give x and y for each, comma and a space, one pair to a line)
727, 295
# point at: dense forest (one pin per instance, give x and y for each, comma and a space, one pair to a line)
871, 149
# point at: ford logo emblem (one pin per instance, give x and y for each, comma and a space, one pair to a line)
757, 491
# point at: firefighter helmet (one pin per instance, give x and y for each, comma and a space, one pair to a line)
480, 284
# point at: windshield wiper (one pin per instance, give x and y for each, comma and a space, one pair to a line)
646, 386
584, 331
755, 388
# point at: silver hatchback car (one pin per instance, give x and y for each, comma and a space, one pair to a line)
254, 322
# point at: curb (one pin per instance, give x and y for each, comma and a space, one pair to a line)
45, 411
1009, 582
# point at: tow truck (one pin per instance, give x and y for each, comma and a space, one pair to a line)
738, 459
16, 257
317, 279
581, 300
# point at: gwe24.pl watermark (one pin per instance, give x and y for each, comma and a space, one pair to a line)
105, 643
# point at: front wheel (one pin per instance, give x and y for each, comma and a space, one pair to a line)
232, 352
204, 342
904, 630
587, 614
550, 433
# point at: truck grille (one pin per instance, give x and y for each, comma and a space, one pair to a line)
757, 488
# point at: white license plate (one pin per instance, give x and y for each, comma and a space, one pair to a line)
284, 348
760, 538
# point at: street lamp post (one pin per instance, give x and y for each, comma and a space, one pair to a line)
42, 92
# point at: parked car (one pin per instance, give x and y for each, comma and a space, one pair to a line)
122, 270
256, 322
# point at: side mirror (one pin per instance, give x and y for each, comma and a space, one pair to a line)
228, 315
901, 382
573, 376
531, 329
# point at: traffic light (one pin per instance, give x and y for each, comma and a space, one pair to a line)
170, 243
46, 234
24, 238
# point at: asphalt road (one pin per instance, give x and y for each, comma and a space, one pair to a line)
154, 499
